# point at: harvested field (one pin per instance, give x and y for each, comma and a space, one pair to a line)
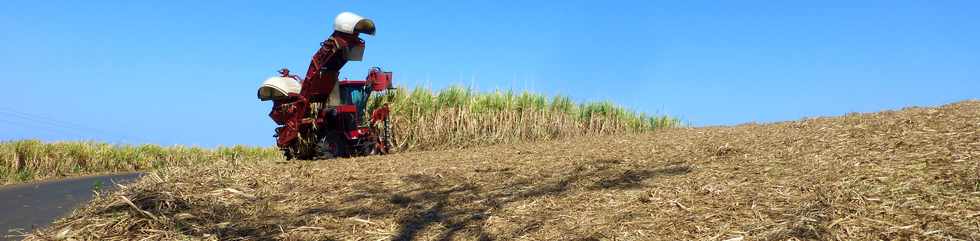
909, 174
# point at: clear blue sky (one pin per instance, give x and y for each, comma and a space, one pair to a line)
185, 72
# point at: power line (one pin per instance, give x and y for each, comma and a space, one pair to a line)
49, 131
36, 120
33, 123
65, 126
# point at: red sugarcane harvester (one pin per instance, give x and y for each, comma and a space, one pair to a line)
323, 117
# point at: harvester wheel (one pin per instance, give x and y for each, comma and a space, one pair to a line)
332, 145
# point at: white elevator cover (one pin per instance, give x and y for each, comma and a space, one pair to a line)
278, 87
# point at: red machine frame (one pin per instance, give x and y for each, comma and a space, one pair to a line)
312, 125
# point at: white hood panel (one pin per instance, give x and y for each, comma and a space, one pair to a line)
277, 88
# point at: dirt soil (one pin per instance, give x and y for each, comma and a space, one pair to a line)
909, 174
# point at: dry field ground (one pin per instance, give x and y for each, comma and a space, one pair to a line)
908, 174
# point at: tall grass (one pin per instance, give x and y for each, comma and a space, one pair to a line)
423, 119
458, 117
26, 160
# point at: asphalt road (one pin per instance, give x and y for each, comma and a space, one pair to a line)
24, 207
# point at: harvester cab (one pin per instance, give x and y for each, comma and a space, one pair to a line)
357, 92
324, 117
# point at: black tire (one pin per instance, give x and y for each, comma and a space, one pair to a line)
332, 145
342, 147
